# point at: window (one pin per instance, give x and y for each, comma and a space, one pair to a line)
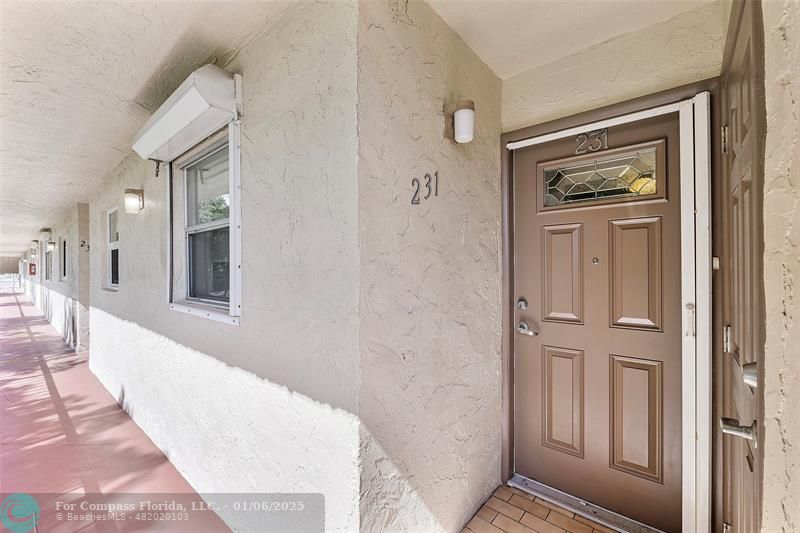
112, 267
617, 175
48, 265
205, 229
62, 250
208, 227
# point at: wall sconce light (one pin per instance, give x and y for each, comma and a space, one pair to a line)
464, 121
134, 201
51, 246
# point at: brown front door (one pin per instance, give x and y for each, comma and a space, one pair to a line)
741, 273
597, 408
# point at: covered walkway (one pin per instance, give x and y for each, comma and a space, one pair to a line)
61, 431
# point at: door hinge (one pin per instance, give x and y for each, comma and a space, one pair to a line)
724, 138
726, 339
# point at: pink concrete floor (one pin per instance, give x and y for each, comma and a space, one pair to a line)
62, 432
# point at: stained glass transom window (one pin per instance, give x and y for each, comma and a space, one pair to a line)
619, 176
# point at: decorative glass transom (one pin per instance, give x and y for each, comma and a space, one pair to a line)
619, 176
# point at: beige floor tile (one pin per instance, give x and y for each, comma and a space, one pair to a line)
555, 507
479, 526
515, 513
568, 523
537, 524
530, 506
510, 526
487, 514
595, 526
503, 493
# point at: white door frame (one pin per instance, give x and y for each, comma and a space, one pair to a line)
695, 165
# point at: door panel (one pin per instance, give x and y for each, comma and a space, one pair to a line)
563, 400
741, 274
636, 397
635, 253
562, 279
597, 255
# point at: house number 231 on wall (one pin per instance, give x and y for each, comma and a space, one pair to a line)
425, 188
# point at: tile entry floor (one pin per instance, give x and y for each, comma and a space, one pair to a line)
510, 510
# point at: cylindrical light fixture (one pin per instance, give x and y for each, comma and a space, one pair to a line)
464, 121
134, 201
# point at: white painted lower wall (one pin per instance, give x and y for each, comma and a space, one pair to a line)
61, 311
68, 316
225, 429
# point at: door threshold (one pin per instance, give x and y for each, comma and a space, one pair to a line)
581, 507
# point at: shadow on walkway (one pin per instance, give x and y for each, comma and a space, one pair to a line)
62, 432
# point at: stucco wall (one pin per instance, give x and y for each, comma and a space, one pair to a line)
267, 406
64, 301
686, 49
430, 281
782, 267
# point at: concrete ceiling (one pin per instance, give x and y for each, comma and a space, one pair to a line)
80, 78
513, 36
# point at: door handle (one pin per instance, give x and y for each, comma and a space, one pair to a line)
750, 374
730, 426
524, 329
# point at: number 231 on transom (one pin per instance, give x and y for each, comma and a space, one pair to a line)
431, 186
591, 142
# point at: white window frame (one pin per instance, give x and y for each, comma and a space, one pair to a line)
48, 264
111, 245
63, 264
210, 309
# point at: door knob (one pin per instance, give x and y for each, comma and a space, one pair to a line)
524, 329
750, 374
730, 426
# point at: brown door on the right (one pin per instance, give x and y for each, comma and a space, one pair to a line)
741, 272
597, 270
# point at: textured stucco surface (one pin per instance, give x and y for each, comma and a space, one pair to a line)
430, 289
267, 406
80, 77
515, 36
65, 301
685, 49
782, 267
351, 303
